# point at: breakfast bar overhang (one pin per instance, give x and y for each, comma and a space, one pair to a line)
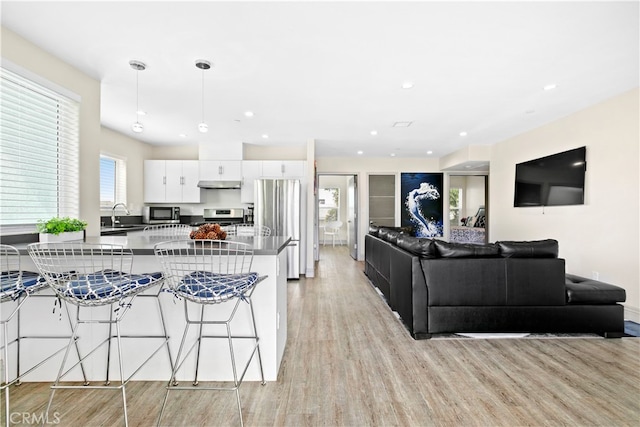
269, 299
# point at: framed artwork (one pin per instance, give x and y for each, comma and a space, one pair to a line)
422, 207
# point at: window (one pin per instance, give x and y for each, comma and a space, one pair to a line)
455, 205
329, 204
113, 181
38, 152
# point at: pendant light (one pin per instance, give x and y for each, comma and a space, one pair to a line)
203, 64
138, 66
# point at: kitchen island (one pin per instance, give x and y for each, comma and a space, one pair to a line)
270, 305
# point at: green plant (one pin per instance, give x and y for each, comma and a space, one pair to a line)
60, 225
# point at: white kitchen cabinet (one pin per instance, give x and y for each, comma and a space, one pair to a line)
220, 170
251, 170
171, 181
283, 168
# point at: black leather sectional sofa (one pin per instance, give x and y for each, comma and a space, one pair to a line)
438, 287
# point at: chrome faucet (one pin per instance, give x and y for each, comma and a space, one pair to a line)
115, 221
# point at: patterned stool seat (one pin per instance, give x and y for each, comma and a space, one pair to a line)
207, 287
105, 286
15, 283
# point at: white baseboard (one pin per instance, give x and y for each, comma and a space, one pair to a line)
632, 313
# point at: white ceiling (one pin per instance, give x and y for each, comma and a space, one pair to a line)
333, 71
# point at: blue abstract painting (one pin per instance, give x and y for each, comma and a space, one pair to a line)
423, 205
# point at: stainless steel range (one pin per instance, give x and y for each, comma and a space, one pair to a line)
222, 217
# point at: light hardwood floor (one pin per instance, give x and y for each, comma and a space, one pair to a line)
349, 362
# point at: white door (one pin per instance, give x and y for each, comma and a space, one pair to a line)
352, 217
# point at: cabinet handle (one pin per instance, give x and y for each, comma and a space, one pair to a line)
182, 180
164, 180
220, 170
282, 168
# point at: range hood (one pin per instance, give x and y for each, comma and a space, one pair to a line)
220, 185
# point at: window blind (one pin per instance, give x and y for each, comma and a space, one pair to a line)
39, 152
113, 181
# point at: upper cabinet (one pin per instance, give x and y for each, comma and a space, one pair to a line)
283, 168
251, 170
220, 170
171, 181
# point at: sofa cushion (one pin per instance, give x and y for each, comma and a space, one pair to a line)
581, 290
529, 249
465, 250
422, 247
468, 281
373, 230
389, 234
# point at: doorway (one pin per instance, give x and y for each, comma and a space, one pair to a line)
468, 209
337, 213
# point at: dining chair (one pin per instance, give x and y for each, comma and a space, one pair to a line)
205, 274
91, 276
332, 229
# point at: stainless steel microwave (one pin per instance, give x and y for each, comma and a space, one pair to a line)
161, 215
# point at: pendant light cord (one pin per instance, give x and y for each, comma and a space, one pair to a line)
137, 95
203, 96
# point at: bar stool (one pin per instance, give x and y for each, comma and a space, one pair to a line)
247, 230
205, 273
167, 230
90, 276
18, 286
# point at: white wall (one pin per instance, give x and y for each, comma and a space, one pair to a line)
362, 168
29, 56
602, 236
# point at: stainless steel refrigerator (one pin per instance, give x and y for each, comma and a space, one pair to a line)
277, 206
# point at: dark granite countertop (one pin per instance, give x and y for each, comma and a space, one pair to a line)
124, 228
143, 245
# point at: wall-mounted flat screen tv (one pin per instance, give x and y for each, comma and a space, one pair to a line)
556, 180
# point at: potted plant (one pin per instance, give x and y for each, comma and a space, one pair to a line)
61, 229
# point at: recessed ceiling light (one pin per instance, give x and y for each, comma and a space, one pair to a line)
393, 154
141, 113
183, 135
402, 124
429, 152
265, 136
550, 86
407, 85
374, 132
248, 113
360, 151
530, 111
463, 134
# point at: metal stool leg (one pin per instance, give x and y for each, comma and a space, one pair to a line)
176, 366
199, 344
